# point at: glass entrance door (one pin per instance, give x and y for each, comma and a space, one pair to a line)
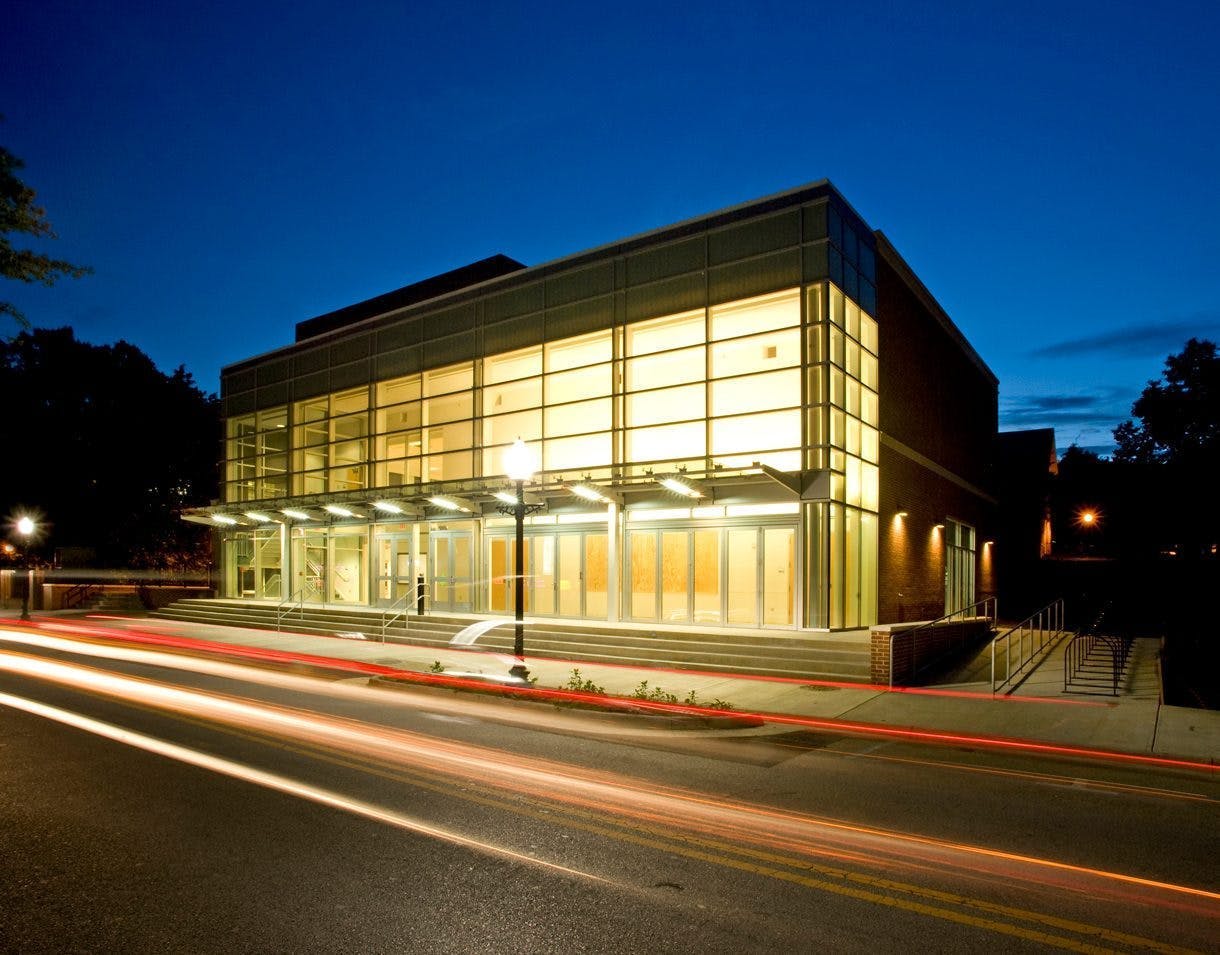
309, 565
451, 559
398, 580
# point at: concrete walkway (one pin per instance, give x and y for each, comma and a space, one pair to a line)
1039, 710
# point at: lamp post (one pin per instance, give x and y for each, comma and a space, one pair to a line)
26, 528
519, 467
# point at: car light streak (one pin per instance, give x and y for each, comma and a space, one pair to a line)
464, 708
834, 725
272, 781
621, 799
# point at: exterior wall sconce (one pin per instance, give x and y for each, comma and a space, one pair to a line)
938, 527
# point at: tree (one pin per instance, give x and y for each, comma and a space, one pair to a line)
107, 447
1179, 415
19, 214
1174, 451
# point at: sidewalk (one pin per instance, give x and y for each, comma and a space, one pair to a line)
1135, 722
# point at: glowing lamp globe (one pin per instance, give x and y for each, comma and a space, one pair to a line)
519, 462
25, 526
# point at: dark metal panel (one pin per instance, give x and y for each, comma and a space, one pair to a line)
307, 386
449, 322
399, 335
814, 221
349, 376
350, 349
689, 255
239, 404
447, 351
590, 316
518, 301
315, 359
583, 283
816, 266
669, 297
768, 273
273, 372
517, 333
271, 395
754, 238
401, 361
234, 382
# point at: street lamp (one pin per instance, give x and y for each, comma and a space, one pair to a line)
519, 468
26, 528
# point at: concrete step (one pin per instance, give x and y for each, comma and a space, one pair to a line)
788, 655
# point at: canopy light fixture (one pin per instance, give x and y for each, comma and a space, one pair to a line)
679, 487
593, 493
387, 507
449, 504
298, 515
258, 516
337, 510
506, 496
223, 519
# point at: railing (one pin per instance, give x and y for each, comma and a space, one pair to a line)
1079, 657
1031, 636
400, 608
78, 594
980, 609
285, 607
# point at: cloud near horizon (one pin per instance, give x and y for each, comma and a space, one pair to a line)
1137, 341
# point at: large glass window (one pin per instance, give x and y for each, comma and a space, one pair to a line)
256, 455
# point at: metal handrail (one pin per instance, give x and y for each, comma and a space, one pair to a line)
79, 593
285, 607
1043, 628
1079, 650
990, 609
409, 600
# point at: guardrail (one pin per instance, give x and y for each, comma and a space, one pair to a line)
1031, 636
285, 607
391, 613
921, 644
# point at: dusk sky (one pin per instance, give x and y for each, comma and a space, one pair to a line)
1050, 170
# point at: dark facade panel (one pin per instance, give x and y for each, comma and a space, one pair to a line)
309, 386
448, 351
589, 316
271, 395
399, 335
511, 335
669, 297
449, 322
315, 359
351, 349
816, 261
274, 371
245, 380
813, 223
240, 404
584, 283
755, 277
351, 375
689, 255
401, 361
754, 238
517, 301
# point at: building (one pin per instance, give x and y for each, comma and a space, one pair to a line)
758, 418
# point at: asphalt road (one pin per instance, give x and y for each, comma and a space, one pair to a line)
177, 804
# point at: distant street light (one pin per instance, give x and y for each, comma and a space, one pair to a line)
519, 468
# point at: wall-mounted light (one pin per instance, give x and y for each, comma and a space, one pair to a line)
901, 512
938, 527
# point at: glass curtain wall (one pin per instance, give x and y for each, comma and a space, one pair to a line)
256, 464
844, 438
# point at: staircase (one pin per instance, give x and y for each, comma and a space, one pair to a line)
760, 653
116, 600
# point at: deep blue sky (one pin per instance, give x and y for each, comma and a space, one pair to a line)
1050, 170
